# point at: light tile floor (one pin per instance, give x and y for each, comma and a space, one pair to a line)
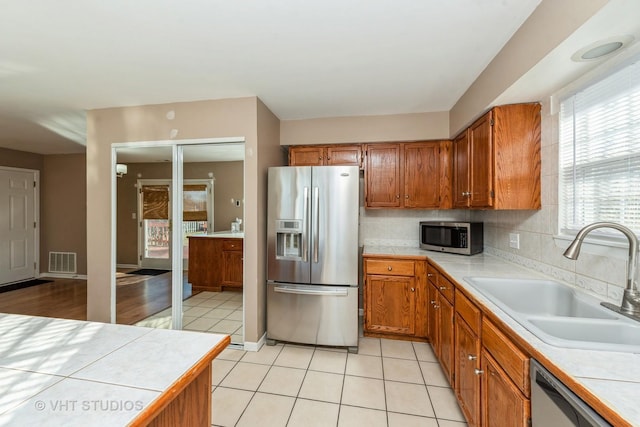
388, 383
215, 312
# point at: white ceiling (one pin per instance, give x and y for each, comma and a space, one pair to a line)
303, 59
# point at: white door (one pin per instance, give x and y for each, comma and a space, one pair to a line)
17, 225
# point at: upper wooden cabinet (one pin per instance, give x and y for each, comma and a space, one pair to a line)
408, 175
497, 160
326, 155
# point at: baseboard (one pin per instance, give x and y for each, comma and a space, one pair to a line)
127, 266
255, 346
64, 276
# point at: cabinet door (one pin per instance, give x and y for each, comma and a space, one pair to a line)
421, 163
446, 337
481, 157
434, 318
382, 176
344, 155
461, 171
390, 304
232, 273
467, 379
306, 156
502, 403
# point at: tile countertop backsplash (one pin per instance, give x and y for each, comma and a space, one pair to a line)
613, 377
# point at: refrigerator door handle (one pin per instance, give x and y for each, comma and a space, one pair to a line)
305, 226
316, 221
300, 291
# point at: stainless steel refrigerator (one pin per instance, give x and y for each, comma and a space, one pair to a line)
312, 253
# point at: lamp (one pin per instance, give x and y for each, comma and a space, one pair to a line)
121, 170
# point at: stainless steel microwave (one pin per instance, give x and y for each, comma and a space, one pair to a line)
464, 238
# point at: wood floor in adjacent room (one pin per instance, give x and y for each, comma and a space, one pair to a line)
67, 299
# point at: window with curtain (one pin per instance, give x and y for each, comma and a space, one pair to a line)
600, 153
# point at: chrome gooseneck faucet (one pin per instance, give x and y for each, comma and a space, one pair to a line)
631, 299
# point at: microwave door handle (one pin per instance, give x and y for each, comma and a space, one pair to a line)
316, 223
305, 225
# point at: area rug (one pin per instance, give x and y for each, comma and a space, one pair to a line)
148, 272
21, 285
129, 279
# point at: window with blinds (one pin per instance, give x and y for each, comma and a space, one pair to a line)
600, 153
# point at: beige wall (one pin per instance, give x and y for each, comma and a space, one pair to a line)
269, 154
63, 201
20, 159
550, 24
395, 127
229, 183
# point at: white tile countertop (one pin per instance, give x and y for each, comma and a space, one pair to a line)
611, 377
73, 373
221, 234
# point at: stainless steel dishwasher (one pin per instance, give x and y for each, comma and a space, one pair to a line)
553, 404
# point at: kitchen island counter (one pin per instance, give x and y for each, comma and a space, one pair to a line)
609, 381
75, 373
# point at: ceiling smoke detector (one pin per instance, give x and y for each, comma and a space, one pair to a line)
601, 48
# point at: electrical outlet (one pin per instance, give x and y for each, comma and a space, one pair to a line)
514, 240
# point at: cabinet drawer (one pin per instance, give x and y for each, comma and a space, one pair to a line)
390, 267
432, 274
446, 288
232, 245
468, 311
514, 362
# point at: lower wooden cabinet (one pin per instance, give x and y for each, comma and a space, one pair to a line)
503, 405
467, 358
395, 298
215, 263
441, 315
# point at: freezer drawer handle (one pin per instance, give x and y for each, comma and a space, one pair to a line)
333, 292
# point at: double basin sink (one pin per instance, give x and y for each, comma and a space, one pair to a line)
560, 315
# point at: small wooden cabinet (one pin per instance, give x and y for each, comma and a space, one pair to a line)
394, 298
326, 155
467, 358
215, 263
497, 160
441, 315
408, 175
503, 405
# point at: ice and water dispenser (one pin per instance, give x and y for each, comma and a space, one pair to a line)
289, 235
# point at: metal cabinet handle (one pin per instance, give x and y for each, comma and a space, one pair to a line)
397, 196
413, 289
472, 357
443, 288
389, 268
429, 274
436, 306
478, 371
433, 302
406, 197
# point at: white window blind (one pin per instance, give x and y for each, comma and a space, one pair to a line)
600, 153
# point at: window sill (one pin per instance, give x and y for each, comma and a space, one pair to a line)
596, 246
